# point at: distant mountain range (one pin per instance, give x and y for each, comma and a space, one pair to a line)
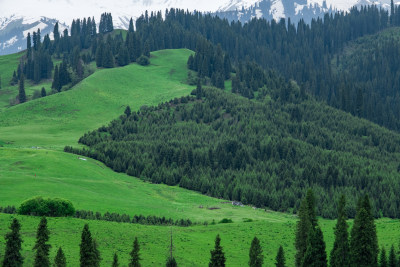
17, 18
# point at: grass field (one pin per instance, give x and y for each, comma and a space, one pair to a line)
52, 122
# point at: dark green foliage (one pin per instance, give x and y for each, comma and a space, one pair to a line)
12, 255
14, 79
217, 255
41, 246
383, 258
140, 219
56, 80
315, 255
60, 260
340, 253
171, 262
106, 23
225, 220
89, 254
135, 254
143, 60
39, 206
21, 90
128, 111
280, 260
255, 254
392, 258
305, 227
43, 92
115, 261
364, 242
263, 152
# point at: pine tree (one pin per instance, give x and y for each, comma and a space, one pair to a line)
41, 246
59, 260
56, 80
115, 261
12, 255
21, 92
383, 259
135, 254
364, 241
280, 260
199, 90
146, 49
315, 255
108, 58
306, 223
127, 111
171, 262
340, 252
217, 255
131, 29
29, 46
56, 32
255, 254
392, 257
89, 254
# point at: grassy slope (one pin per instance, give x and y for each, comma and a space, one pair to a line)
61, 119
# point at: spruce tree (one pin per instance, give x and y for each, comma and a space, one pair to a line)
364, 241
217, 255
171, 262
131, 29
115, 261
340, 252
280, 260
392, 257
89, 254
306, 223
127, 111
60, 260
315, 255
41, 246
383, 259
255, 254
12, 255
56, 32
56, 80
43, 92
135, 254
21, 92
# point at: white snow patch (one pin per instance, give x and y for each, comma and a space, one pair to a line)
298, 8
40, 26
10, 42
259, 13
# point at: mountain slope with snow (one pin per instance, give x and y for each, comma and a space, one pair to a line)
20, 17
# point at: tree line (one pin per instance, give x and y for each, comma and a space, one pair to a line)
360, 248
262, 152
90, 255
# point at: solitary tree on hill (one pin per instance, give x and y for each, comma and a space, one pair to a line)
256, 257
217, 255
12, 255
60, 260
41, 246
135, 254
280, 260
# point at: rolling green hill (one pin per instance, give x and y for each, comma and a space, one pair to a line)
32, 163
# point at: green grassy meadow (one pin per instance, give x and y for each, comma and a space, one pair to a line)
32, 163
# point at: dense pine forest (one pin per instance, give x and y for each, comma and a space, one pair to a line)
264, 152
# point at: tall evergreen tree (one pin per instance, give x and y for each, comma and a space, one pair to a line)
41, 246
89, 254
217, 255
60, 260
56, 32
21, 92
115, 261
363, 241
306, 223
135, 254
12, 255
255, 254
131, 29
171, 262
280, 260
56, 80
315, 255
340, 252
392, 258
383, 258
29, 46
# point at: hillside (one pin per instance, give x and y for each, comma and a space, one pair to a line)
60, 119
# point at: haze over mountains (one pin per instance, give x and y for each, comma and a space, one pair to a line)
17, 18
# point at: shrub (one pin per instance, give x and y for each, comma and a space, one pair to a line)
39, 206
225, 220
143, 60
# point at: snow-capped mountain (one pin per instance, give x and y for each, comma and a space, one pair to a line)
18, 17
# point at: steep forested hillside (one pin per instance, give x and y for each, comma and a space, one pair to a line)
264, 152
